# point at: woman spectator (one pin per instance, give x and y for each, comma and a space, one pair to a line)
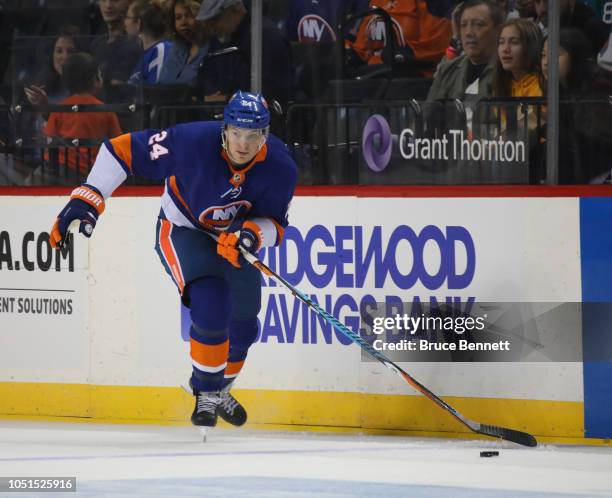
189, 47
585, 113
518, 58
47, 86
147, 19
578, 75
516, 75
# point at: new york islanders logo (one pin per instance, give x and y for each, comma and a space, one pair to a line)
377, 33
221, 217
313, 28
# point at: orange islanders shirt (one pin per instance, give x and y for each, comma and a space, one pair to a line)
416, 23
89, 125
527, 86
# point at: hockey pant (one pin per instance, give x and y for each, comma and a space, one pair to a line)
223, 300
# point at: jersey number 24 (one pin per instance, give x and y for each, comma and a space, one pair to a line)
157, 150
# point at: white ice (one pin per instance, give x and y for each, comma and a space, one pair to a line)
171, 461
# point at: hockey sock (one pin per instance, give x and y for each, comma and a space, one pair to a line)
209, 352
242, 334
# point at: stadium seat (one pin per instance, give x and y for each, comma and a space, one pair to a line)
314, 65
408, 89
355, 91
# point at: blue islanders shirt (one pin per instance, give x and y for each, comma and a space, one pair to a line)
149, 67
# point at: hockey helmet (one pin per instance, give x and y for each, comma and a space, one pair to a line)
247, 110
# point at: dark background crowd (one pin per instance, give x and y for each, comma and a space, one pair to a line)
191, 53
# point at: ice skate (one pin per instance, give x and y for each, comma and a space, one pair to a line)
230, 409
204, 414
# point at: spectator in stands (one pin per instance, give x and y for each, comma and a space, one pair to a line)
517, 67
115, 53
313, 21
509, 9
604, 58
131, 22
148, 19
585, 113
47, 86
454, 49
576, 14
471, 73
525, 9
579, 76
83, 80
223, 75
190, 45
426, 30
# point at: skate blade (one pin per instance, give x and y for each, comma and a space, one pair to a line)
204, 432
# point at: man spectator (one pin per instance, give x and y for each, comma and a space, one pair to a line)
471, 73
576, 14
230, 23
115, 53
314, 21
454, 49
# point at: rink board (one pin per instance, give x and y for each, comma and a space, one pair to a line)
119, 353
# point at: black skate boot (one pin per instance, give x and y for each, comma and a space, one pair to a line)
204, 414
230, 409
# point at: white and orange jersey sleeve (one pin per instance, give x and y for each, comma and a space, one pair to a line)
269, 230
144, 153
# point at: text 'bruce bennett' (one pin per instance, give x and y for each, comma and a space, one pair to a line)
425, 345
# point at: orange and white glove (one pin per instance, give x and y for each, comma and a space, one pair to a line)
85, 205
248, 237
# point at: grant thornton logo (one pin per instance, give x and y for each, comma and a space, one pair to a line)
376, 143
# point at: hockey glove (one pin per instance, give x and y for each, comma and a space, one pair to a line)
248, 237
85, 205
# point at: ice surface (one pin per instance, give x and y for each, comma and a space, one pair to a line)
169, 461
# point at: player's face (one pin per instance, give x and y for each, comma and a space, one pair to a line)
243, 143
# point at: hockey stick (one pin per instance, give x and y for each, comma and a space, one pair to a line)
487, 430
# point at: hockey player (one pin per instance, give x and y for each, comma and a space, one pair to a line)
231, 179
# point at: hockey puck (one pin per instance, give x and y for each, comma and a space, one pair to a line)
488, 454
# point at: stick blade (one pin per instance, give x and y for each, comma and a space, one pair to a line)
512, 435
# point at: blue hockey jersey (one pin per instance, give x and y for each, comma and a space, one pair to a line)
202, 189
150, 65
